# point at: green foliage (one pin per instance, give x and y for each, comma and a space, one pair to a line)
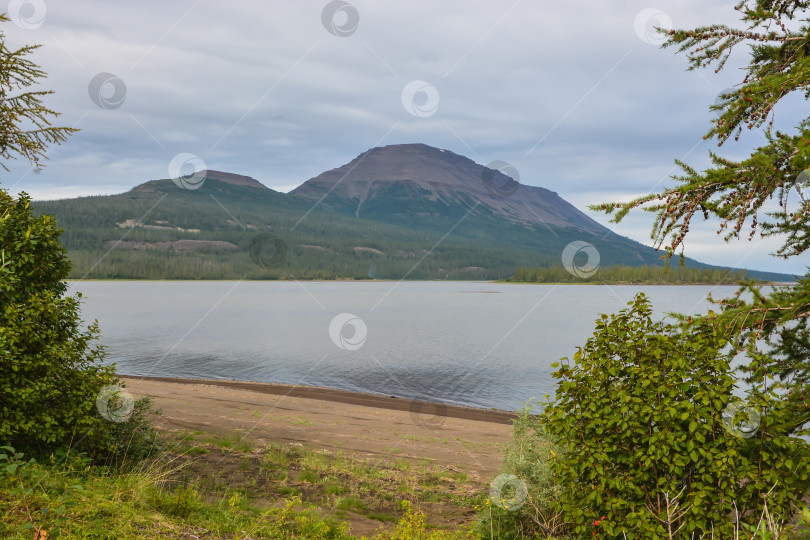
21, 478
27, 129
632, 274
778, 323
648, 446
527, 458
181, 502
292, 520
413, 526
52, 373
777, 35
52, 376
68, 498
132, 440
32, 260
733, 191
325, 245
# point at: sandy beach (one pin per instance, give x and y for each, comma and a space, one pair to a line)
371, 427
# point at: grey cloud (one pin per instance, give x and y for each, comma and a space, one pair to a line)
292, 100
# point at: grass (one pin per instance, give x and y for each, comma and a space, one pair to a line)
210, 487
224, 487
227, 488
384, 517
142, 503
351, 502
309, 476
228, 442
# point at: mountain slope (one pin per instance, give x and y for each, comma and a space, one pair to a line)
399, 211
386, 183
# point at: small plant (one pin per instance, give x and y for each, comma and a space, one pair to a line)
309, 476
802, 530
350, 502
287, 490
136, 438
413, 526
40, 514
180, 502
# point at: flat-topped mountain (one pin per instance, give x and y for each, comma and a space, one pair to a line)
421, 180
219, 176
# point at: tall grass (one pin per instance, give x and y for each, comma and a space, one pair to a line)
531, 513
71, 496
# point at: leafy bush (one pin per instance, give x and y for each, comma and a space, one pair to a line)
651, 445
51, 373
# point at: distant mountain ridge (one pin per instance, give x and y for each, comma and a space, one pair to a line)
397, 211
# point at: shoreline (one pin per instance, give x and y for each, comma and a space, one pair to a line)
629, 283
347, 397
493, 282
378, 430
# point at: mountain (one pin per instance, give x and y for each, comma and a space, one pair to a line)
401, 211
416, 180
219, 176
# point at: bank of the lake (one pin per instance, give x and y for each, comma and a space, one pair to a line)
367, 425
243, 460
354, 456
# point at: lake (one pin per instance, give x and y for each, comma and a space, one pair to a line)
469, 343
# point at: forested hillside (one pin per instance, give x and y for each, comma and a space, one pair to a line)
233, 227
140, 234
648, 275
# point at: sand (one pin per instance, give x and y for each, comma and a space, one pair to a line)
372, 427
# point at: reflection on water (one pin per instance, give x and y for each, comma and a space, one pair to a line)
481, 344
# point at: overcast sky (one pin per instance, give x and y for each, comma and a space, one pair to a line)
576, 95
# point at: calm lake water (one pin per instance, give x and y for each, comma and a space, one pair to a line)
469, 343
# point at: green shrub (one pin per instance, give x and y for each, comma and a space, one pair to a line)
51, 374
136, 438
646, 448
181, 502
526, 482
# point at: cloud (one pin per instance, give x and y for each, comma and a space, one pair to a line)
567, 92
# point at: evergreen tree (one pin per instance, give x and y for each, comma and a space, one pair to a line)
26, 121
54, 390
736, 192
